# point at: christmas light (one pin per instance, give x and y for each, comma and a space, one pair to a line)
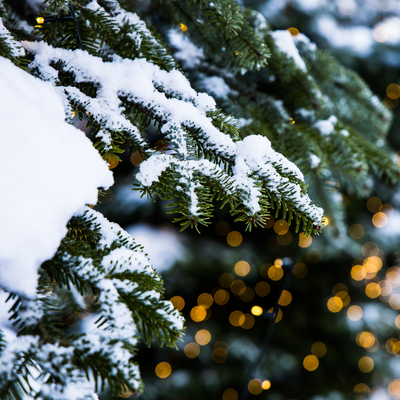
40, 20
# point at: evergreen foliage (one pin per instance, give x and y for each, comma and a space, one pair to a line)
321, 119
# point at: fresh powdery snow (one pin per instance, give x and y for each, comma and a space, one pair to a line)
326, 127
189, 54
285, 43
50, 170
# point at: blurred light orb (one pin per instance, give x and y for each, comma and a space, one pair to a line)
379, 219
281, 229
198, 313
242, 268
255, 386
247, 295
249, 321
365, 339
394, 301
234, 238
230, 394
311, 363
205, 300
266, 384
300, 270
335, 304
275, 272
319, 349
226, 279
393, 91
285, 299
394, 389
236, 318
192, 350
238, 287
355, 313
374, 204
304, 241
347, 7
293, 31
203, 337
262, 289
178, 302
221, 297
356, 231
397, 321
366, 364
163, 370
380, 34
373, 290
361, 388
256, 310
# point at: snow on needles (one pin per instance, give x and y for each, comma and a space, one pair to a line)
50, 170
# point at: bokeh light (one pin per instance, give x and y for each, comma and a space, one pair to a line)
314, 256
266, 384
238, 287
393, 91
366, 364
393, 276
198, 313
249, 321
365, 339
300, 270
226, 279
275, 272
374, 204
230, 394
242, 268
379, 219
356, 231
394, 301
304, 241
397, 321
392, 346
285, 299
234, 238
380, 34
256, 310
192, 350
262, 289
281, 229
236, 318
361, 388
136, 159
205, 300
163, 370
293, 31
318, 349
373, 290
178, 302
221, 297
278, 317
354, 313
347, 7
311, 362
255, 386
220, 352
112, 162
203, 337
394, 389
285, 240
247, 295
335, 304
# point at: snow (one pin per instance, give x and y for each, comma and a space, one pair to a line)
284, 41
188, 53
314, 161
326, 127
55, 172
16, 49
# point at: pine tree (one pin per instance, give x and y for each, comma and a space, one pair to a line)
109, 67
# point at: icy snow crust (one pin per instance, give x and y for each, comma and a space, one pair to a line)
173, 101
50, 170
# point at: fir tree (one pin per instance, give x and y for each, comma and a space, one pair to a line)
299, 112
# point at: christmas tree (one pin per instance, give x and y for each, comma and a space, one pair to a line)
81, 292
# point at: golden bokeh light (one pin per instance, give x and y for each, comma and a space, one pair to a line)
285, 240
318, 349
285, 299
278, 262
311, 362
300, 270
388, 209
256, 310
262, 289
379, 219
40, 20
335, 304
339, 287
264, 270
345, 298
314, 256
275, 272
370, 249
221, 297
249, 321
205, 300
230, 394
178, 302
242, 268
304, 241
226, 279
373, 290
222, 228
325, 221
192, 350
163, 370
394, 301
112, 162
278, 317
397, 321
184, 28
220, 352
355, 313
358, 272
281, 229
393, 276
266, 384
393, 91
255, 386
361, 388
366, 364
136, 159
247, 295
392, 346
394, 389
365, 339
374, 204
293, 31
198, 313
356, 231
236, 318
234, 238
238, 287
203, 337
